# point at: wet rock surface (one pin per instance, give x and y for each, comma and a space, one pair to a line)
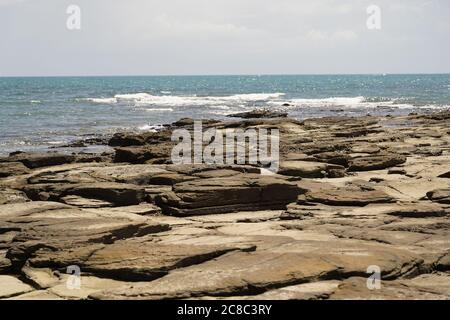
349, 193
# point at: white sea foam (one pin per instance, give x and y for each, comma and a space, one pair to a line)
350, 102
102, 100
159, 110
168, 102
326, 102
152, 128
145, 99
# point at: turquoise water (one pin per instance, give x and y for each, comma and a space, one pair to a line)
37, 113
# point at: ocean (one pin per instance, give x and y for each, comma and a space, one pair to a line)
40, 113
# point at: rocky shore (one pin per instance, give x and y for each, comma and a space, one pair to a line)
350, 193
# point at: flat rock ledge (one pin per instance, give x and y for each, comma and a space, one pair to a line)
349, 193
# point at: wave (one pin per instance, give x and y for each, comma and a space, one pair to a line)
353, 102
145, 99
239, 101
101, 100
159, 110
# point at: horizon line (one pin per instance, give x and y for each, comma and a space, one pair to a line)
222, 75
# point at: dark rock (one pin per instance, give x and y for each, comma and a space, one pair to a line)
117, 193
439, 195
259, 113
417, 210
156, 153
445, 175
124, 139
397, 171
38, 160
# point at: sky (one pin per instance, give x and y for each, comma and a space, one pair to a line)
196, 37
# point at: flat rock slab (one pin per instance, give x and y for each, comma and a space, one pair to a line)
106, 193
347, 196
376, 162
304, 291
11, 286
222, 195
356, 289
417, 210
36, 160
54, 227
235, 272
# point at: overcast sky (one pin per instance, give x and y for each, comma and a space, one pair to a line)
157, 37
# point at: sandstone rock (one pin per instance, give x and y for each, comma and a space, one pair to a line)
439, 195
116, 193
145, 209
304, 291
445, 175
89, 195
55, 227
37, 295
356, 132
11, 286
376, 162
5, 264
85, 202
356, 289
417, 210
307, 169
12, 196
142, 154
123, 139
231, 273
348, 196
12, 168
144, 261
221, 195
37, 160
397, 171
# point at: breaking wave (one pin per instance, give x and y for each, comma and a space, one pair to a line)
146, 99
